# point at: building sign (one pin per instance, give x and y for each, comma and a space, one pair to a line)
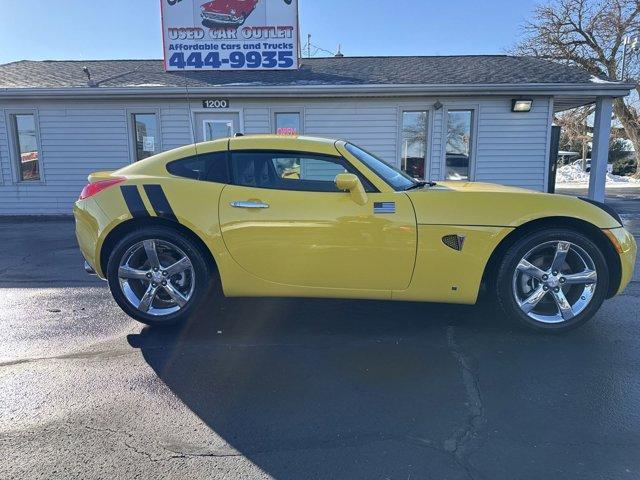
218, 103
230, 34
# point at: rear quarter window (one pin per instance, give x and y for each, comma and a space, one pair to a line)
206, 167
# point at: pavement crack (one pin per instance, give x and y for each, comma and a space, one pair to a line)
98, 354
462, 441
126, 441
23, 260
359, 440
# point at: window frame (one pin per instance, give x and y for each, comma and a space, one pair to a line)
130, 112
368, 186
277, 110
14, 147
413, 108
473, 141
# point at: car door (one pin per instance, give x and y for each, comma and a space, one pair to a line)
284, 221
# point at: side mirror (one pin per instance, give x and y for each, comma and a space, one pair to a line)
349, 182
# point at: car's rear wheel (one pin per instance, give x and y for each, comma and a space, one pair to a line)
158, 276
553, 280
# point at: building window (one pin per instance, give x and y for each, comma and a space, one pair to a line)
216, 129
26, 146
288, 123
414, 143
458, 153
145, 132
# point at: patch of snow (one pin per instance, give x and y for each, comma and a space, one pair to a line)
595, 79
146, 85
628, 145
573, 174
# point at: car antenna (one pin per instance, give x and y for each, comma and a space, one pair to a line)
191, 122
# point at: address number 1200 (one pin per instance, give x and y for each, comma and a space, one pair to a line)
253, 59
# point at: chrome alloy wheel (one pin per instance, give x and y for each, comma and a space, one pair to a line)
156, 277
554, 281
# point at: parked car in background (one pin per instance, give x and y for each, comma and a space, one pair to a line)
270, 215
566, 157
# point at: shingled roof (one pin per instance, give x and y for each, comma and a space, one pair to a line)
346, 71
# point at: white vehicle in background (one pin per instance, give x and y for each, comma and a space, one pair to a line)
587, 167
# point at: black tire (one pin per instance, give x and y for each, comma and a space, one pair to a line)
203, 274
505, 279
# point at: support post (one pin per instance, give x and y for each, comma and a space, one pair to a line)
600, 149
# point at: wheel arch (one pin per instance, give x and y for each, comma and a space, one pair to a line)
128, 226
576, 224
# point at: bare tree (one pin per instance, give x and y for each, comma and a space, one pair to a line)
591, 33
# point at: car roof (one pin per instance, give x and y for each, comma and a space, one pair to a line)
284, 142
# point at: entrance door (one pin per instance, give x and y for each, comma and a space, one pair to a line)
215, 125
285, 221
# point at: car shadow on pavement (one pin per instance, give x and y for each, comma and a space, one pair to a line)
364, 389
323, 388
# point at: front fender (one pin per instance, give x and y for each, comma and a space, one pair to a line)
501, 208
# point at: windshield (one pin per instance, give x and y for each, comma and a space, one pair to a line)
397, 179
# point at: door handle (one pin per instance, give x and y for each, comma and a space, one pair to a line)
249, 205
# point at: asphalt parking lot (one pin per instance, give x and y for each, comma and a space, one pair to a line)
291, 389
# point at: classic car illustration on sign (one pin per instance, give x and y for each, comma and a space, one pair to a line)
270, 215
227, 12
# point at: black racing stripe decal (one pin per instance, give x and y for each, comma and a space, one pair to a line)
134, 201
159, 202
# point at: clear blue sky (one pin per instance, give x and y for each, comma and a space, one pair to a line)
109, 29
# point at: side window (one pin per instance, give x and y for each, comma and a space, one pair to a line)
209, 167
290, 171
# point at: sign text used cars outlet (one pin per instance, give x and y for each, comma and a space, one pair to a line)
230, 34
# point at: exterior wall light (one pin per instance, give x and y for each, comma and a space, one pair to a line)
521, 106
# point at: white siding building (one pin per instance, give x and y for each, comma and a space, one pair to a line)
437, 117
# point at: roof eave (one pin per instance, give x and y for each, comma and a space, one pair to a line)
610, 89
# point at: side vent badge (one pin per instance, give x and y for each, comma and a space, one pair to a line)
454, 241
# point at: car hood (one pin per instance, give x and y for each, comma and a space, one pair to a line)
481, 187
486, 204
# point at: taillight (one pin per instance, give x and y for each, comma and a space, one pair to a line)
92, 189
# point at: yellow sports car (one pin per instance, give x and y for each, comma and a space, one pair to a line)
164, 230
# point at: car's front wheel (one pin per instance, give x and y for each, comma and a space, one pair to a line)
158, 276
553, 280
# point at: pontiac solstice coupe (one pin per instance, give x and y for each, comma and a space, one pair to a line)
307, 217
